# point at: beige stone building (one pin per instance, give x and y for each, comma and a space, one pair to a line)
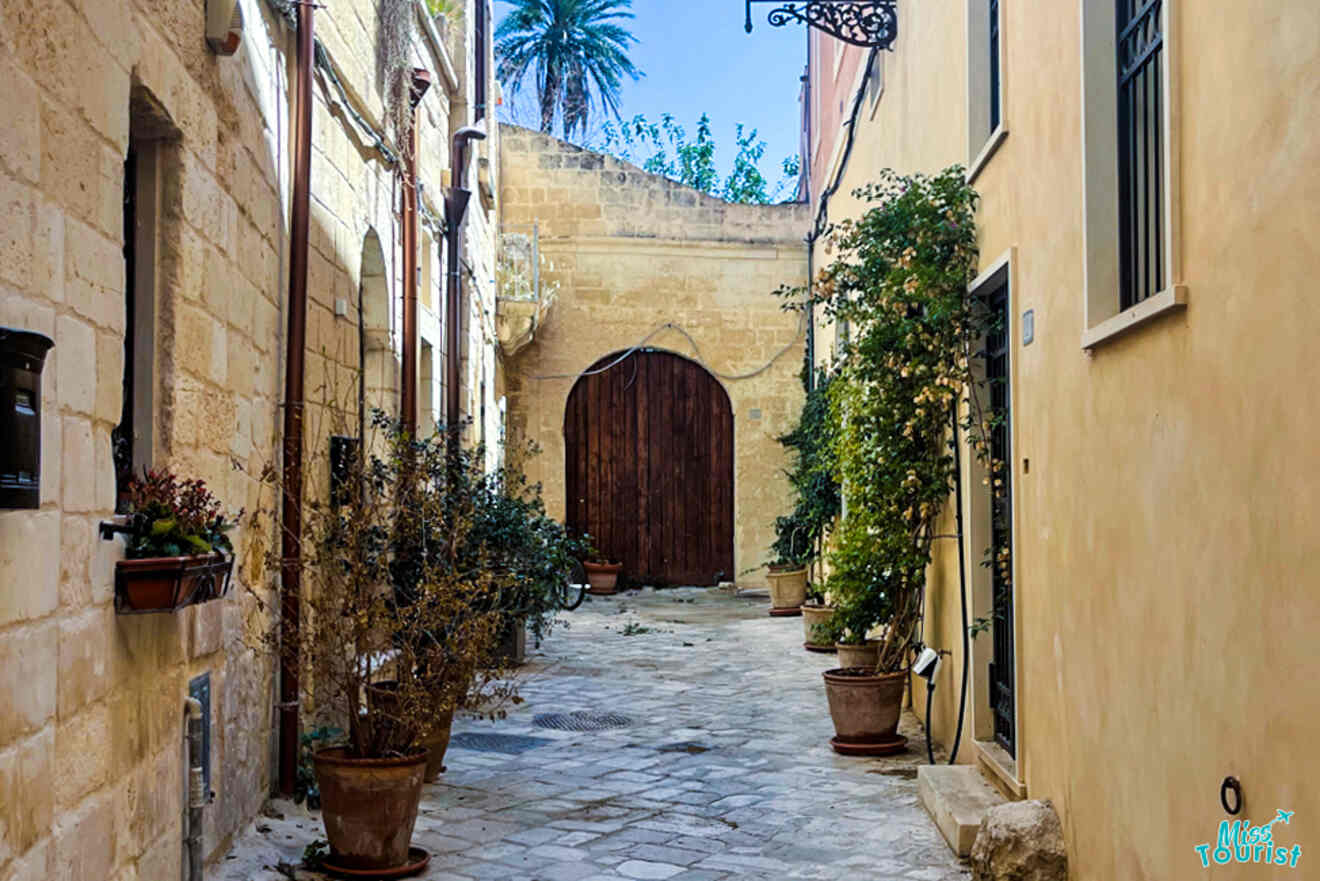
138, 166
638, 262
1150, 245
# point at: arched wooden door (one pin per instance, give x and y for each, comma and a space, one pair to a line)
649, 449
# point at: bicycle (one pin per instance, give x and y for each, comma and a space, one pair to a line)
573, 589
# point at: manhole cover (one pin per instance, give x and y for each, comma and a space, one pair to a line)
581, 720
484, 742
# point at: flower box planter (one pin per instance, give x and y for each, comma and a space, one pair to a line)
167, 584
603, 577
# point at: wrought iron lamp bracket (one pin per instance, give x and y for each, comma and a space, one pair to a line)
872, 24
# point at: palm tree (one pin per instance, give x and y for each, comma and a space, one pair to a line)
579, 53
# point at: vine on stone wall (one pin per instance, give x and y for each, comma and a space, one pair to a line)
900, 280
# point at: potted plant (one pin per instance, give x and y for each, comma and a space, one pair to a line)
798, 534
602, 575
527, 553
900, 281
177, 548
818, 628
851, 631
399, 626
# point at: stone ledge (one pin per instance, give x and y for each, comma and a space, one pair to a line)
957, 797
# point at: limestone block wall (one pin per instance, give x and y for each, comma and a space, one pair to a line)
91, 703
642, 260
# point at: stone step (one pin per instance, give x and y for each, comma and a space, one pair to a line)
956, 797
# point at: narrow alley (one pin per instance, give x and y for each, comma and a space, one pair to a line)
713, 763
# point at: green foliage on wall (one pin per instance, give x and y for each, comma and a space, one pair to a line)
899, 279
815, 489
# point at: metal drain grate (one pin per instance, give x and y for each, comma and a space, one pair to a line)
581, 720
484, 742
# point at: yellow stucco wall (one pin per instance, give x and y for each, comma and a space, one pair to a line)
1163, 592
631, 253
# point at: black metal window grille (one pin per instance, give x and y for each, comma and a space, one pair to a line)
121, 438
1140, 149
1002, 683
994, 65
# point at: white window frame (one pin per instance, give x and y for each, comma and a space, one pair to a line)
982, 142
1104, 318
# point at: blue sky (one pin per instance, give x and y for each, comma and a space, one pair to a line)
697, 58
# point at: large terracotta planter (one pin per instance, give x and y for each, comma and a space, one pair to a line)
816, 629
603, 577
369, 807
788, 589
165, 584
865, 707
865, 655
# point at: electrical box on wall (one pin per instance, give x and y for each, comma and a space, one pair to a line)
22, 357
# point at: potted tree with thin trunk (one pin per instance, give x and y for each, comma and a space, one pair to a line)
399, 627
900, 282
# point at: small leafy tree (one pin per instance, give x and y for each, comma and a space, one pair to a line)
798, 535
900, 281
664, 148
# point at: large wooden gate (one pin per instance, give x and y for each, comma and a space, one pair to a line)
649, 450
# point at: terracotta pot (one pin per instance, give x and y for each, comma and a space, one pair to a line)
788, 589
164, 584
369, 807
815, 628
436, 747
865, 705
603, 577
865, 655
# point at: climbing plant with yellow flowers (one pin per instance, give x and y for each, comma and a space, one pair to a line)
899, 279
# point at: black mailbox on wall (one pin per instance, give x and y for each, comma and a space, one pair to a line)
22, 356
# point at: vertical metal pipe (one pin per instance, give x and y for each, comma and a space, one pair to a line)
196, 789
291, 541
408, 392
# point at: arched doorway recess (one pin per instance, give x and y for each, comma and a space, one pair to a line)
649, 457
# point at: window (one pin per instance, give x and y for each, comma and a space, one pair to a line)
480, 41
986, 127
994, 64
1130, 151
1140, 42
152, 139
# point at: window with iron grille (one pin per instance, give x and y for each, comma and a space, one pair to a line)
480, 40
1140, 44
994, 64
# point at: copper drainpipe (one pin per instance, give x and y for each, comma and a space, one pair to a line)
456, 202
421, 82
291, 543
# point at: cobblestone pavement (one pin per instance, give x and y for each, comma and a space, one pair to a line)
723, 772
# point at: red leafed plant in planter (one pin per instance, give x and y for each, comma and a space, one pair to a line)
177, 547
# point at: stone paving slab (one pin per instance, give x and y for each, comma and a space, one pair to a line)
724, 773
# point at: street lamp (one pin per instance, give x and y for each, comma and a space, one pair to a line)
872, 24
